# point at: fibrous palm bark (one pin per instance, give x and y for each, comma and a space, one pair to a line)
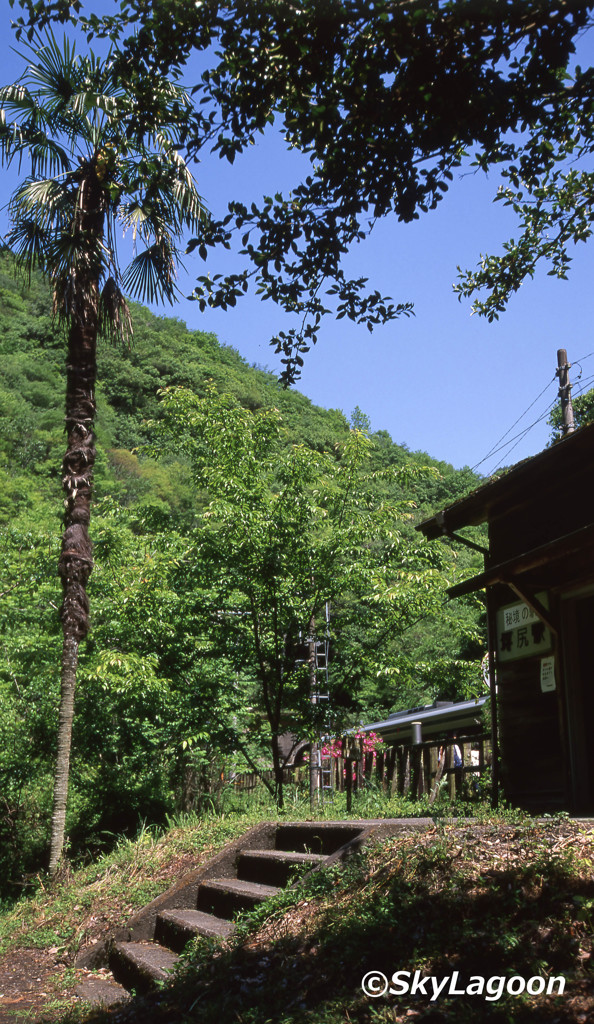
76, 557
93, 163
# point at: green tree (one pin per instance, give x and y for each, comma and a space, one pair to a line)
387, 100
161, 709
28, 669
360, 421
287, 529
583, 413
94, 162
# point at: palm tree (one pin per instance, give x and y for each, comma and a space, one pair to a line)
94, 163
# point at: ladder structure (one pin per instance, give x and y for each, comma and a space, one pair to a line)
321, 764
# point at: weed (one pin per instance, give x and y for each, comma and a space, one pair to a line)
507, 897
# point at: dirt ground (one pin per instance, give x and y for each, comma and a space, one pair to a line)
37, 985
30, 981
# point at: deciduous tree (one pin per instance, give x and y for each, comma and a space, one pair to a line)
286, 530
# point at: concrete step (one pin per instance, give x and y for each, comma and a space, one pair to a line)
205, 900
321, 837
175, 928
101, 993
275, 867
139, 965
225, 897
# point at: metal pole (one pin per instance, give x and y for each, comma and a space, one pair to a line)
417, 781
314, 750
491, 643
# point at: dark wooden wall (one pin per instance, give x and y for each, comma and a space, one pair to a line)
532, 763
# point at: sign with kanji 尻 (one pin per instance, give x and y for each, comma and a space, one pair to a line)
520, 632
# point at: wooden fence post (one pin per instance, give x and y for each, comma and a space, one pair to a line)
449, 759
426, 769
349, 783
392, 779
405, 771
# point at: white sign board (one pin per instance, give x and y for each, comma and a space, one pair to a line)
547, 675
520, 632
515, 615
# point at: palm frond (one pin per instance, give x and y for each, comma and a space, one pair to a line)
26, 128
115, 320
15, 100
56, 77
30, 244
181, 202
92, 101
75, 273
47, 201
75, 260
186, 204
47, 157
135, 216
147, 216
164, 192
55, 70
151, 275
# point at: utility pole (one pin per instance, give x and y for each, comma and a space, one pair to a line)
565, 391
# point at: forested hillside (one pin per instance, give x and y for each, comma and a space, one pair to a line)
167, 699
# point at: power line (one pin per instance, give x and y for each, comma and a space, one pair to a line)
582, 359
578, 362
584, 384
519, 437
498, 446
523, 434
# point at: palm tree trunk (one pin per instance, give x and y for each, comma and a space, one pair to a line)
62, 771
76, 558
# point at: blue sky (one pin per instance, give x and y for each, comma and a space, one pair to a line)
443, 381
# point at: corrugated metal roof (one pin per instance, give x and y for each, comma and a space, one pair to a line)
436, 719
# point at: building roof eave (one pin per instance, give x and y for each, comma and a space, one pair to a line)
499, 494
576, 542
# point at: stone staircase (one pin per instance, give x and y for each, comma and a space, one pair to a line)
206, 901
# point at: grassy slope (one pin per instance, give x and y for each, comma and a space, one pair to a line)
164, 353
87, 902
500, 897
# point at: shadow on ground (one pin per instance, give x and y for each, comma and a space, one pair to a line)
423, 910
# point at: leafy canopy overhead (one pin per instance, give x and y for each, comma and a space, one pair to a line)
387, 99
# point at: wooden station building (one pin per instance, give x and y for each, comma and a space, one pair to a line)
539, 582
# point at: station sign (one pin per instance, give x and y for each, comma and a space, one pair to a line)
521, 633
